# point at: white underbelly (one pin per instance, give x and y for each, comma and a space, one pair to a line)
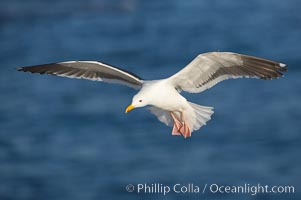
172, 103
165, 96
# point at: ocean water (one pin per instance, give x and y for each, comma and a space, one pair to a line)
70, 139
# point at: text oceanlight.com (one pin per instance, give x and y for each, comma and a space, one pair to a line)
192, 188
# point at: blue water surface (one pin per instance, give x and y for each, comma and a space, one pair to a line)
67, 139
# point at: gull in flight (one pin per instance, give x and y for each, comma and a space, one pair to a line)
163, 96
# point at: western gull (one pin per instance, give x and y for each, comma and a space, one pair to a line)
163, 96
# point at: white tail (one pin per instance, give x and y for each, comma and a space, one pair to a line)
198, 115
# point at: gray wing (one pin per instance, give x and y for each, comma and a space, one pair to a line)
91, 70
208, 69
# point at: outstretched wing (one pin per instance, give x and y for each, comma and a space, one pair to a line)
208, 69
91, 70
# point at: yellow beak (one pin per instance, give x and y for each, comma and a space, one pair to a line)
129, 108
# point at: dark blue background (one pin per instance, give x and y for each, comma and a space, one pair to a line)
70, 139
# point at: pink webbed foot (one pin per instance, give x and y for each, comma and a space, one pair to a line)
185, 130
176, 126
175, 131
180, 126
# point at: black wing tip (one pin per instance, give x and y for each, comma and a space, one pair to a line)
20, 69
280, 69
25, 69
283, 67
33, 68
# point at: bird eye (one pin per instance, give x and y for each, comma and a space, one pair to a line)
140, 100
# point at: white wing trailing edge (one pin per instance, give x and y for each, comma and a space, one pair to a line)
208, 69
91, 70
